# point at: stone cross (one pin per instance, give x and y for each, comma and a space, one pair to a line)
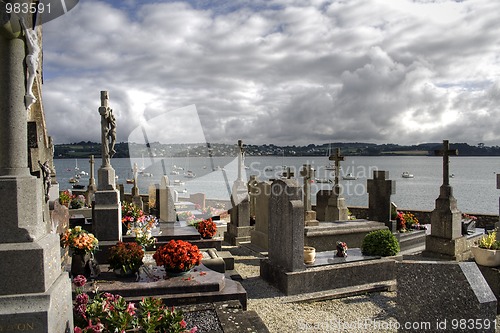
446, 152
240, 160
307, 172
380, 189
91, 188
288, 174
136, 171
337, 158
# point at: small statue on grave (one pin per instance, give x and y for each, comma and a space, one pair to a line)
341, 249
31, 61
108, 127
46, 178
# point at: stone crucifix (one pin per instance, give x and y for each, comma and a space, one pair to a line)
241, 153
446, 152
108, 129
307, 172
337, 158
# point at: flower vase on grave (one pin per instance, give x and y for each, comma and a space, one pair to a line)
80, 264
341, 249
309, 255
175, 272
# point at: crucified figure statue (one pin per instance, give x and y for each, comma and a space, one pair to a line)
31, 61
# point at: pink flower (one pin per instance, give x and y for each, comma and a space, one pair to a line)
78, 330
193, 330
79, 280
131, 308
183, 323
82, 299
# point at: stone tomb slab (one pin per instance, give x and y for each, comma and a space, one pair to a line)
325, 276
329, 258
325, 236
200, 285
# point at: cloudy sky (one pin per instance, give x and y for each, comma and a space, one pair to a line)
279, 71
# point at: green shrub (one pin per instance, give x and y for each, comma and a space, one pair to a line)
380, 243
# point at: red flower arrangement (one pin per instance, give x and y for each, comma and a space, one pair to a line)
207, 228
178, 255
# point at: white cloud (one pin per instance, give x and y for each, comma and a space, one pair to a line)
283, 72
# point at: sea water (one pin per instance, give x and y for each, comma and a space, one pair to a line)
473, 181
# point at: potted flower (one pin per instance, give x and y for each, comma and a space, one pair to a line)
178, 257
309, 255
65, 198
77, 201
82, 245
125, 259
207, 228
142, 230
487, 253
341, 249
131, 214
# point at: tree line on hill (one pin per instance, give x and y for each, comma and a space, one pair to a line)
85, 149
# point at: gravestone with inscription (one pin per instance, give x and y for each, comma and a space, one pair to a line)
446, 239
107, 213
35, 295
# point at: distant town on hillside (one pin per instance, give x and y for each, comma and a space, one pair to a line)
156, 149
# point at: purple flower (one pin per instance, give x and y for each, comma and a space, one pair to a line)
82, 299
79, 280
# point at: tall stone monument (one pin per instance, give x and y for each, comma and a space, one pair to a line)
136, 196
307, 172
107, 216
446, 240
380, 189
92, 187
336, 210
166, 204
34, 293
239, 229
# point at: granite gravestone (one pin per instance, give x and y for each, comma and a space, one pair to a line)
336, 210
35, 294
286, 225
252, 192
107, 213
260, 234
380, 189
443, 297
446, 240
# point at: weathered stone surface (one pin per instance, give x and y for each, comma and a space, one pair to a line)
444, 294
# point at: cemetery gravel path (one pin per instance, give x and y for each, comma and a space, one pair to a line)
372, 312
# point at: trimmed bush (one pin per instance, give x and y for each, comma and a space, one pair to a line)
380, 243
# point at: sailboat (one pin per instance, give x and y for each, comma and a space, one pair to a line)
189, 173
76, 165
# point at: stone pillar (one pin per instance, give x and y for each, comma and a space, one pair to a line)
308, 173
92, 187
380, 189
252, 191
446, 240
107, 225
166, 204
136, 196
239, 229
34, 290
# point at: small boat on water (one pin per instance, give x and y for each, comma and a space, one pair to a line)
189, 174
349, 176
73, 180
130, 181
174, 172
323, 181
78, 186
178, 182
406, 174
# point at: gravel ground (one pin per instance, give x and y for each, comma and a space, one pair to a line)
373, 312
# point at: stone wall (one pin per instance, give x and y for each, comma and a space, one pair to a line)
424, 217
